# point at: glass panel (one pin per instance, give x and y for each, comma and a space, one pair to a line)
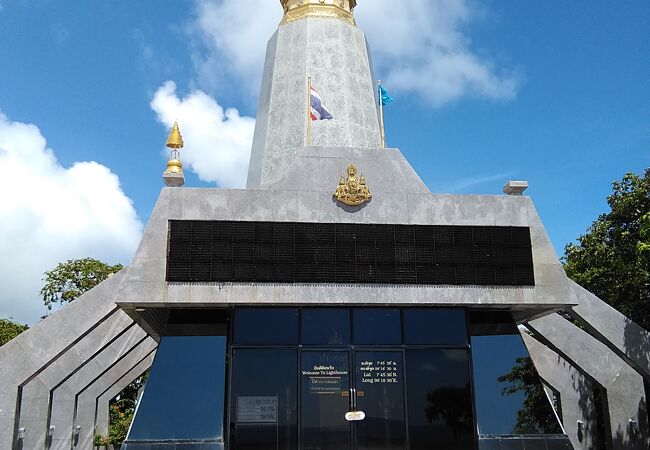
266, 326
380, 395
325, 326
325, 382
187, 375
505, 380
436, 326
264, 399
376, 326
439, 400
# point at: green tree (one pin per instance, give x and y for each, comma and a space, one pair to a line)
535, 414
122, 409
612, 259
9, 330
70, 279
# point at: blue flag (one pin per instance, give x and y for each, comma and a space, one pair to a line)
384, 97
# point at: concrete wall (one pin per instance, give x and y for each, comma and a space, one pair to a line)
306, 196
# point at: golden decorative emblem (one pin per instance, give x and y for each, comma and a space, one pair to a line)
352, 191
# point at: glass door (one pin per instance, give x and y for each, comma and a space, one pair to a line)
325, 387
379, 391
362, 410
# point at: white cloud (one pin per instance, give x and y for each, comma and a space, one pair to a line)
419, 46
217, 142
234, 35
422, 48
50, 213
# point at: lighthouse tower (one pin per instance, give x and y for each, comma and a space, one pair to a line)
335, 303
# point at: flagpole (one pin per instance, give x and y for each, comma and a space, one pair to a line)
308, 111
381, 115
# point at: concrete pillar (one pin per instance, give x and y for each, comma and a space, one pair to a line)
576, 393
92, 404
625, 390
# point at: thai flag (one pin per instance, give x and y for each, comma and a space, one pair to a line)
318, 111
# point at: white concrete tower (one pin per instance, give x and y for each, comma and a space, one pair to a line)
317, 39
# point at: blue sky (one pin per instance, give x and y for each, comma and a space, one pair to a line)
554, 92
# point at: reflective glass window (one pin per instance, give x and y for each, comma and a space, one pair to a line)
435, 326
264, 399
184, 395
325, 326
506, 380
376, 326
439, 399
266, 326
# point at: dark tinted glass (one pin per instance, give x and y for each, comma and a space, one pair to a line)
376, 326
380, 395
321, 326
184, 395
505, 380
435, 326
439, 399
325, 381
266, 326
263, 400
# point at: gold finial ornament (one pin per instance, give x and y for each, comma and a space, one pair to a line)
173, 176
324, 9
175, 140
352, 191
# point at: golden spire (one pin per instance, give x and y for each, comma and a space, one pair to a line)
175, 140
329, 9
173, 176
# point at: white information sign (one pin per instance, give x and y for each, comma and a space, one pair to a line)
257, 409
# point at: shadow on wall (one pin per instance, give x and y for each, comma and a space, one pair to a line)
638, 432
637, 343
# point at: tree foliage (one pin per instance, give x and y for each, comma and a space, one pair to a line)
9, 330
535, 415
612, 259
70, 279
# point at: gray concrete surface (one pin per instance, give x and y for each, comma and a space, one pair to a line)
101, 418
335, 55
399, 196
625, 390
87, 400
576, 393
27, 355
630, 341
124, 351
35, 398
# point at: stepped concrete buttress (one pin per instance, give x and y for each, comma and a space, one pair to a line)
35, 398
100, 420
629, 340
576, 393
25, 357
87, 400
624, 386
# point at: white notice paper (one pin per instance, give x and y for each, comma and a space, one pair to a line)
257, 409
